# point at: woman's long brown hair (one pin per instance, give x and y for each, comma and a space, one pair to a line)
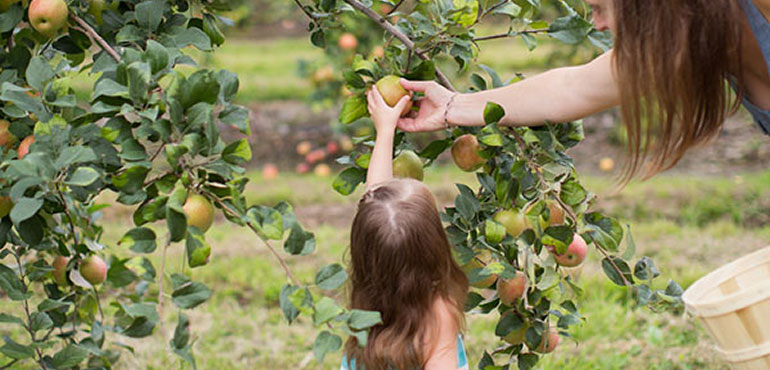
672, 59
400, 264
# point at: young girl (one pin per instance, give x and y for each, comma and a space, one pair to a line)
402, 267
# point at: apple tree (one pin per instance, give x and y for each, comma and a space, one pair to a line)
100, 102
527, 224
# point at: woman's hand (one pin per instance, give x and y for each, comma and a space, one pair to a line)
384, 117
432, 106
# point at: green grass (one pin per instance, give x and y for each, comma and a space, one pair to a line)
242, 327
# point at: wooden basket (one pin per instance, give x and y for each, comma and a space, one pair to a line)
733, 302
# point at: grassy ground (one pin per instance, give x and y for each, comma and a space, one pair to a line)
241, 327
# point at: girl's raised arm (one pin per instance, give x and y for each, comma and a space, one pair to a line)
385, 119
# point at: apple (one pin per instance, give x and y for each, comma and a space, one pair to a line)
516, 336
323, 74
391, 90
315, 156
303, 168
6, 137
476, 263
347, 41
94, 270
270, 171
556, 216
378, 52
346, 144
5, 4
514, 221
549, 342
322, 170
48, 16
332, 147
465, 153
60, 270
408, 164
6, 204
575, 254
95, 8
199, 211
24, 145
494, 232
304, 147
606, 164
510, 290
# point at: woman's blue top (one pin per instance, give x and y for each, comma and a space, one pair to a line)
462, 358
761, 30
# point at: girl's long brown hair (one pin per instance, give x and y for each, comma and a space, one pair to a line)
401, 263
672, 59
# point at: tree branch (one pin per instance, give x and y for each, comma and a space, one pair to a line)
399, 35
92, 33
509, 34
301, 7
396, 7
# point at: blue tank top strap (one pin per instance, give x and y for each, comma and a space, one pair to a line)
761, 29
462, 358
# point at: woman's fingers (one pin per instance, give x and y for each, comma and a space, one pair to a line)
402, 103
416, 86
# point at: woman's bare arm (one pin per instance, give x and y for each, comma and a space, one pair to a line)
558, 95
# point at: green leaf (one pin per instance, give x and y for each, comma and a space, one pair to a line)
289, 311
348, 180
10, 319
15, 350
148, 14
157, 56
198, 250
138, 80
182, 332
570, 29
25, 208
238, 152
493, 113
18, 96
548, 279
616, 275
267, 221
83, 176
360, 320
325, 343
40, 321
331, 277
201, 87
507, 324
325, 310
39, 72
139, 240
109, 87
10, 18
645, 269
353, 109
73, 155
236, 116
50, 304
559, 237
300, 242
605, 231
70, 356
190, 295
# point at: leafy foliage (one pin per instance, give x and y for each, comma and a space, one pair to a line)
527, 169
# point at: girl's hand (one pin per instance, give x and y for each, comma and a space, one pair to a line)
432, 107
384, 117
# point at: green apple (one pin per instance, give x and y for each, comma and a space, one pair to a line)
94, 270
465, 153
408, 164
514, 221
199, 211
391, 90
60, 270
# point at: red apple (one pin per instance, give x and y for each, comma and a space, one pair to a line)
332, 147
94, 270
575, 254
24, 146
304, 147
315, 156
48, 16
606, 164
510, 290
303, 168
549, 342
270, 171
378, 52
348, 41
6, 137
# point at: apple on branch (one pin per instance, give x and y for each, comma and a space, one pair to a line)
199, 211
575, 254
408, 164
391, 90
94, 270
48, 16
465, 153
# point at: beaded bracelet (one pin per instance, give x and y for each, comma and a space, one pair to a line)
446, 111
